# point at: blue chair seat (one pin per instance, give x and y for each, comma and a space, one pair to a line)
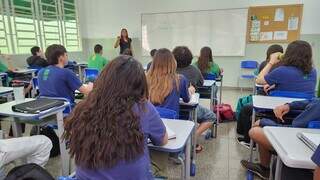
247, 76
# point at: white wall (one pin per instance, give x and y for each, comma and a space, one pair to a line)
105, 18
101, 21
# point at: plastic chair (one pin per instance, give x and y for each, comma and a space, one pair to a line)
209, 76
35, 86
314, 124
38, 68
167, 113
247, 69
91, 74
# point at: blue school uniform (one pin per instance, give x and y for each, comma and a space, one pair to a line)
290, 78
154, 129
172, 100
316, 157
58, 82
311, 112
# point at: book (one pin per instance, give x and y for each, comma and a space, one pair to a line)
171, 133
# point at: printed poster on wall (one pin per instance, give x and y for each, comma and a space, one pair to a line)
293, 23
279, 14
280, 35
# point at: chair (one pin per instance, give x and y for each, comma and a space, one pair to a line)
167, 113
90, 74
314, 124
35, 86
290, 94
247, 69
209, 76
37, 68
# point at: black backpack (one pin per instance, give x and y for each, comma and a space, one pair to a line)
49, 132
29, 172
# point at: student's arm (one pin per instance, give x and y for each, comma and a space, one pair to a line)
86, 88
9, 62
184, 89
300, 105
311, 112
273, 61
157, 131
316, 173
117, 43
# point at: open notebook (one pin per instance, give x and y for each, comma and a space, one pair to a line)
312, 140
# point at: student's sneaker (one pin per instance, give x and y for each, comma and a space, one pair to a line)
245, 144
256, 168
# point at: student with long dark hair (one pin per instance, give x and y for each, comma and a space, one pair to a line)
123, 41
109, 130
296, 74
206, 64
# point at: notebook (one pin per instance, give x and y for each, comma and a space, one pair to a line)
171, 133
36, 106
312, 140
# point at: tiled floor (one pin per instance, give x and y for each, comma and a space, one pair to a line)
220, 159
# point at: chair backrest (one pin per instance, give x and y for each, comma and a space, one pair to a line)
91, 74
249, 64
35, 83
167, 113
209, 76
291, 94
38, 68
314, 124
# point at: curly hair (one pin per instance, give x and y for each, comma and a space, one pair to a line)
205, 59
299, 55
103, 129
183, 56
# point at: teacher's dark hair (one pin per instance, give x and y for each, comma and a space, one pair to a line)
183, 56
124, 30
273, 49
53, 52
299, 55
103, 130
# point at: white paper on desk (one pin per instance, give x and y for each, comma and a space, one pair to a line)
280, 35
293, 23
171, 133
279, 14
266, 36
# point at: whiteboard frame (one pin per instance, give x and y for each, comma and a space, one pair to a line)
205, 10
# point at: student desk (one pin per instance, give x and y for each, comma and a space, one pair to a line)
39, 119
290, 149
6, 92
182, 142
26, 71
191, 106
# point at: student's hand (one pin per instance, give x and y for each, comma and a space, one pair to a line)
221, 71
280, 111
267, 88
192, 90
274, 58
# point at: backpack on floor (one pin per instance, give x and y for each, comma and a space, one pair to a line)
49, 132
225, 112
29, 171
242, 102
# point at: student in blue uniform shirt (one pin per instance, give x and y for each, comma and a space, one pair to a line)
316, 159
55, 80
311, 112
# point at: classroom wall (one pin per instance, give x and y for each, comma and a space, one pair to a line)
101, 21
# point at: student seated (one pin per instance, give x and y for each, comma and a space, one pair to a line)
184, 58
311, 112
109, 130
296, 72
127, 52
55, 80
244, 119
152, 53
97, 61
205, 63
205, 116
36, 149
6, 68
37, 59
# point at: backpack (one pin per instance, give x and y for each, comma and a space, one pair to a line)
29, 171
225, 112
49, 132
242, 102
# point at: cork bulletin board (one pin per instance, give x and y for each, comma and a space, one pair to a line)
274, 24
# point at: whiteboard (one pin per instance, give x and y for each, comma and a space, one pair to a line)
222, 30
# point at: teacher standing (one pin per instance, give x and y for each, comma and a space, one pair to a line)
123, 41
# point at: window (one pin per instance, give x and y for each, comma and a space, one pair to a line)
25, 23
